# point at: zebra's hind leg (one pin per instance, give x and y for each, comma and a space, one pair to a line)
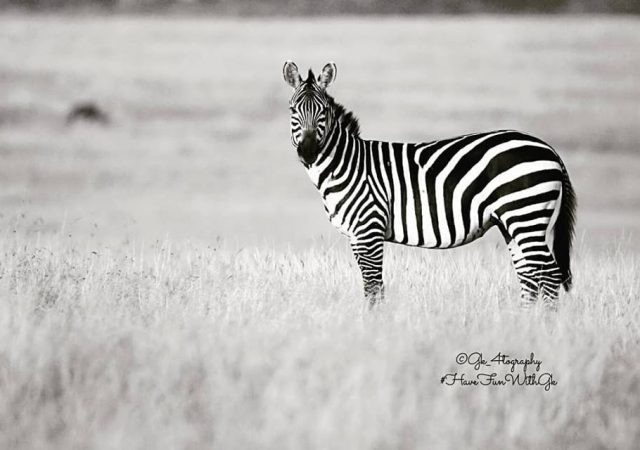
550, 279
527, 231
537, 271
529, 287
526, 270
527, 276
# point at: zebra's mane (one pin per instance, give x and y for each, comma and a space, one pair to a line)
345, 117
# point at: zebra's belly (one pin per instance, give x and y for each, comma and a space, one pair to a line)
423, 239
435, 244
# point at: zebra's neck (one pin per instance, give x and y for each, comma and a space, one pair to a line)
339, 148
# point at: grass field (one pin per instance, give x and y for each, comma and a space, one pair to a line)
170, 280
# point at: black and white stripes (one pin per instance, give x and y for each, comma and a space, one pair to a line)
439, 194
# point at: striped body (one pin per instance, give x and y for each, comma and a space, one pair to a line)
439, 194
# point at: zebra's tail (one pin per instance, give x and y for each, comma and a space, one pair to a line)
564, 230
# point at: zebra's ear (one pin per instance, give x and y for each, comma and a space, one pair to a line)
328, 75
291, 75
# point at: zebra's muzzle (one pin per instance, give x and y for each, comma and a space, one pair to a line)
308, 147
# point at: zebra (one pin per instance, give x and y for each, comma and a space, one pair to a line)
438, 194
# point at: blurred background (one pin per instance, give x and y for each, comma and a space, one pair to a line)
141, 120
333, 7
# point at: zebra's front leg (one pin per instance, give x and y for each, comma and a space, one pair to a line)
368, 251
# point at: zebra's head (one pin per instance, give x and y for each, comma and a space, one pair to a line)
310, 106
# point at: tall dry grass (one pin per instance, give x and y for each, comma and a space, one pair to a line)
175, 345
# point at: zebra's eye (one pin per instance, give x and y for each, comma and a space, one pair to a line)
292, 109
